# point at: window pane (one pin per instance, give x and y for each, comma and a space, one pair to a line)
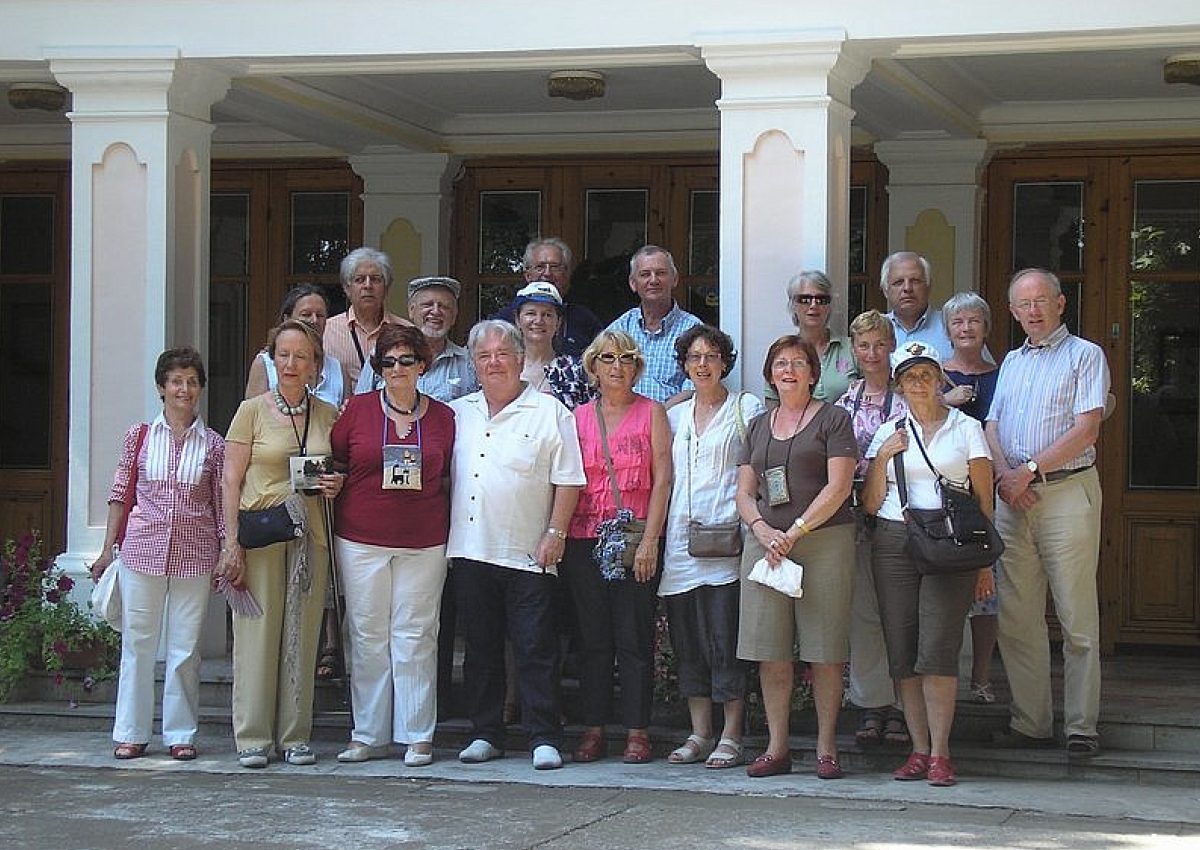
320, 231
615, 228
25, 368
703, 233
508, 221
1166, 225
858, 231
27, 234
229, 235
1164, 422
1048, 226
227, 366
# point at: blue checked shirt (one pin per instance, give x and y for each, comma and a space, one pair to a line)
662, 377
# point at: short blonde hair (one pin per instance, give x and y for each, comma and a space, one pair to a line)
619, 340
872, 320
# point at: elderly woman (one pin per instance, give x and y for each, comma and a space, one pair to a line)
970, 385
626, 444
701, 593
539, 311
794, 482
273, 654
871, 401
306, 302
169, 539
923, 614
396, 445
810, 301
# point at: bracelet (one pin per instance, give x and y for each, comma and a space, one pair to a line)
756, 521
554, 532
801, 526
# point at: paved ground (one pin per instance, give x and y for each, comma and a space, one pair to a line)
63, 790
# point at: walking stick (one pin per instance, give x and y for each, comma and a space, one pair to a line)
338, 613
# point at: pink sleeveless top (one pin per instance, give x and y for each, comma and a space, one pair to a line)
633, 462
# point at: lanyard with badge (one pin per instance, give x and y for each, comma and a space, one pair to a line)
305, 471
776, 477
401, 463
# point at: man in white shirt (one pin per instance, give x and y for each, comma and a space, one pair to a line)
517, 471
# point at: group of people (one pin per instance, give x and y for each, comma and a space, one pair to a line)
554, 459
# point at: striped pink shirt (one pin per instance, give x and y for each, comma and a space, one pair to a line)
177, 526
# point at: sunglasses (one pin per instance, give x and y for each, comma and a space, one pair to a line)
402, 360
626, 357
813, 299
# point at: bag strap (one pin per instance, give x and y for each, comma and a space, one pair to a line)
133, 479
741, 429
612, 476
901, 484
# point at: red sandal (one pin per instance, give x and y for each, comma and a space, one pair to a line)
183, 752
637, 748
590, 748
129, 751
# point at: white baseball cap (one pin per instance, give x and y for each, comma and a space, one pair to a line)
911, 353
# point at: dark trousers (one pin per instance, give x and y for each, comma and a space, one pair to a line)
496, 602
447, 632
615, 619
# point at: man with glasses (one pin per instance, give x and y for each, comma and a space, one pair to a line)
350, 337
550, 259
1042, 429
656, 323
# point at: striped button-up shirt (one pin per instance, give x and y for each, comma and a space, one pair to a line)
177, 525
1040, 391
662, 377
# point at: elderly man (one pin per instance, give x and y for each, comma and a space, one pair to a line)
433, 307
549, 259
904, 279
1042, 430
656, 323
350, 337
516, 473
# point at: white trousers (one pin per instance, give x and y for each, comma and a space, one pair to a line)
393, 597
870, 678
174, 607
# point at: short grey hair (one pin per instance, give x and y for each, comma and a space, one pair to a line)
961, 301
886, 268
1047, 275
649, 251
813, 278
495, 327
358, 256
547, 242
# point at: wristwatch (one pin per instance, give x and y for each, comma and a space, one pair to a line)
1032, 466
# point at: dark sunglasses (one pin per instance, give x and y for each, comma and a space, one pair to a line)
402, 360
813, 299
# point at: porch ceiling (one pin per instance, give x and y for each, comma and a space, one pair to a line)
665, 100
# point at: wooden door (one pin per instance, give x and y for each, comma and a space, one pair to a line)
1138, 297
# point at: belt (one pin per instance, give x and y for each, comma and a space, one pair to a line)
1060, 474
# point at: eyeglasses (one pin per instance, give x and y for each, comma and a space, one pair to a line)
704, 358
548, 267
795, 365
626, 357
1041, 303
813, 299
362, 279
403, 360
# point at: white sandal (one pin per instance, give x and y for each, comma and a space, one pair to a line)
731, 757
694, 749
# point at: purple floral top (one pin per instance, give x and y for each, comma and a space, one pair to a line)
867, 415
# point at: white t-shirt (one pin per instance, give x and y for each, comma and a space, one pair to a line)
958, 441
503, 475
712, 459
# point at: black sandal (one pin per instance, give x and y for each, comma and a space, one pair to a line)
895, 730
870, 729
327, 666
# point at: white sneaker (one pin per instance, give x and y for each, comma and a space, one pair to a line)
414, 759
301, 754
254, 757
546, 757
478, 752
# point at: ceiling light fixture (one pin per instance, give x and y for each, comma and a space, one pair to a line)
49, 97
576, 85
1182, 69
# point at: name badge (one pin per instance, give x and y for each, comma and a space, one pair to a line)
401, 467
306, 471
777, 486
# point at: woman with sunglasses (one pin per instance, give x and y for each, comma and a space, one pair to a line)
393, 520
810, 301
626, 443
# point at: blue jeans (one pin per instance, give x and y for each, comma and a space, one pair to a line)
497, 602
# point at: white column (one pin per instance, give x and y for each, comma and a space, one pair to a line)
406, 211
785, 177
140, 157
935, 206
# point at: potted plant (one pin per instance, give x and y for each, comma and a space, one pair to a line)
42, 626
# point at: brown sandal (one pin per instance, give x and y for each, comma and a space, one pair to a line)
129, 751
183, 752
590, 748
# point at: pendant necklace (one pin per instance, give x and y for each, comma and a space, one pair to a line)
401, 410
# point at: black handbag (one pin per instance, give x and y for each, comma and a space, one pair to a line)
257, 529
955, 538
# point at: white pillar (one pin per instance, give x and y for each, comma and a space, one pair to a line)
785, 177
140, 163
935, 207
406, 210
